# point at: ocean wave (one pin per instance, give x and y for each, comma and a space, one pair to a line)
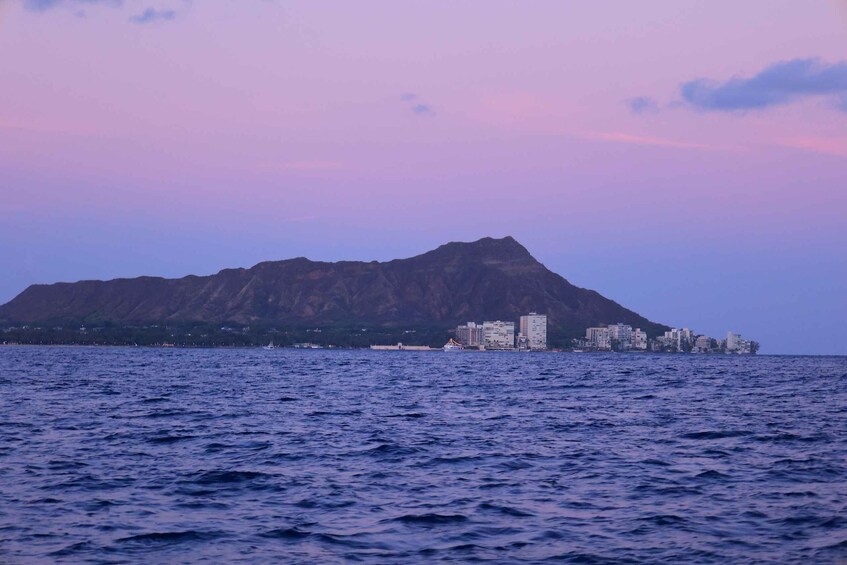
216, 456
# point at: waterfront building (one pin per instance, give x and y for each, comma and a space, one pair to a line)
639, 340
498, 335
735, 344
664, 343
748, 347
733, 341
670, 340
534, 328
470, 335
679, 340
522, 343
620, 336
599, 338
703, 344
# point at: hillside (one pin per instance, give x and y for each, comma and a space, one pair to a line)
487, 279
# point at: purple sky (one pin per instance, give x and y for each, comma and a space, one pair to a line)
685, 158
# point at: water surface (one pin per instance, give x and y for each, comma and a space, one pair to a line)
112, 455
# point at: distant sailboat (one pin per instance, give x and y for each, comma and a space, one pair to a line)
270, 346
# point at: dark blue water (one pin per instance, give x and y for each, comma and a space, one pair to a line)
153, 456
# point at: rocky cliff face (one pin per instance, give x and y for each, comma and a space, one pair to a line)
488, 279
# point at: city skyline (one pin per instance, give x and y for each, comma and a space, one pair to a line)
685, 159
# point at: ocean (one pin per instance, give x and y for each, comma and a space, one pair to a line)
136, 455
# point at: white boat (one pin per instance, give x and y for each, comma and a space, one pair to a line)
452, 345
270, 346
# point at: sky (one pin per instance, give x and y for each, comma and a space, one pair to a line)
686, 158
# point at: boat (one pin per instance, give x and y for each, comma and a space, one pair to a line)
270, 346
452, 345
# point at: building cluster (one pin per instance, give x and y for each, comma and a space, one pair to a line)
617, 337
686, 341
621, 337
734, 343
499, 335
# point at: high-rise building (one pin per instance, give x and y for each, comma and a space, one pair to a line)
680, 340
470, 335
621, 336
703, 343
639, 340
534, 328
498, 335
733, 341
598, 338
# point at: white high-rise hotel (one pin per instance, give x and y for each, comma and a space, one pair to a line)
501, 335
534, 328
498, 335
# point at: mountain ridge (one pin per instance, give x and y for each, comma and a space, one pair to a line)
456, 282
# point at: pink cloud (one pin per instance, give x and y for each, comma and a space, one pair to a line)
827, 146
620, 137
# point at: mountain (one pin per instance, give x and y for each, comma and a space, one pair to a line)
489, 279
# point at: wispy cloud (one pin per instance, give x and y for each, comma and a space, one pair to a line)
40, 5
642, 105
148, 16
620, 137
152, 15
422, 109
417, 106
825, 146
44, 5
781, 83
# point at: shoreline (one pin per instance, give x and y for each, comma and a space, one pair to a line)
394, 350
